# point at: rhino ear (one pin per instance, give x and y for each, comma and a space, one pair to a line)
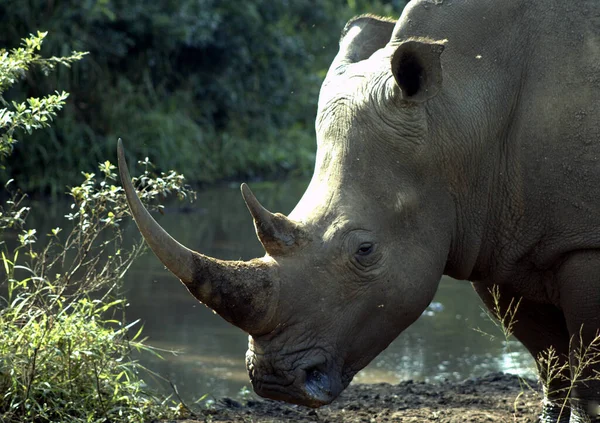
362, 36
417, 69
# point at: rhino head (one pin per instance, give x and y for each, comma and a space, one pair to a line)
360, 257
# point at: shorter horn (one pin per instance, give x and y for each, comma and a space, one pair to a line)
278, 234
243, 293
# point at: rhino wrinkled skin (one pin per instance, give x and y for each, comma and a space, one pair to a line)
462, 139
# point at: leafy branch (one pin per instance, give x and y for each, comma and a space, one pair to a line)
34, 113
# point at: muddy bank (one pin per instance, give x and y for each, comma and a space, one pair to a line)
493, 398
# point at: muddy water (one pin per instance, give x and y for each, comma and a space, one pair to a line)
445, 343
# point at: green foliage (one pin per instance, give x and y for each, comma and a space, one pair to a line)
69, 366
15, 64
217, 90
35, 113
64, 353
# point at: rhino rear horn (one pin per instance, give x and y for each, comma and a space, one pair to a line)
278, 234
243, 293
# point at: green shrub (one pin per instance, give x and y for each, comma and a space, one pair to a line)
65, 355
65, 351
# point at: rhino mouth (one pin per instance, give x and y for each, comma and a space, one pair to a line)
312, 384
312, 388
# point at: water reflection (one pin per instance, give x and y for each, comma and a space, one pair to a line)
443, 343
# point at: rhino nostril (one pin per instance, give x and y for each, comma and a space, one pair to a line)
318, 384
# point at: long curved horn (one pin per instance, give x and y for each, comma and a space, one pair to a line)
278, 234
243, 293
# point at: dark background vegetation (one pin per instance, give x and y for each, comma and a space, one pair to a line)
217, 89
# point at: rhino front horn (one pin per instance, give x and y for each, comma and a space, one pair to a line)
243, 293
278, 234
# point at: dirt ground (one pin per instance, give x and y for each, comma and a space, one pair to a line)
493, 398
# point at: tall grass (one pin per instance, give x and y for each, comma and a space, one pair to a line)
553, 369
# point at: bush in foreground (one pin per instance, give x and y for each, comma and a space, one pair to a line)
65, 350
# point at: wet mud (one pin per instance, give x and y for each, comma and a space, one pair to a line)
495, 397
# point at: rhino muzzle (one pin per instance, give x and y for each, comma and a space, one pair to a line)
312, 384
311, 375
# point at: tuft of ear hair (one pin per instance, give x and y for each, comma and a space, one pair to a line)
417, 69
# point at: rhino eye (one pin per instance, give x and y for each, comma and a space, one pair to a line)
365, 249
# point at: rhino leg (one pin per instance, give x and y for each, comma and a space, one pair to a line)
578, 415
538, 327
555, 413
580, 299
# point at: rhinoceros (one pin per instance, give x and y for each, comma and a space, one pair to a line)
462, 139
